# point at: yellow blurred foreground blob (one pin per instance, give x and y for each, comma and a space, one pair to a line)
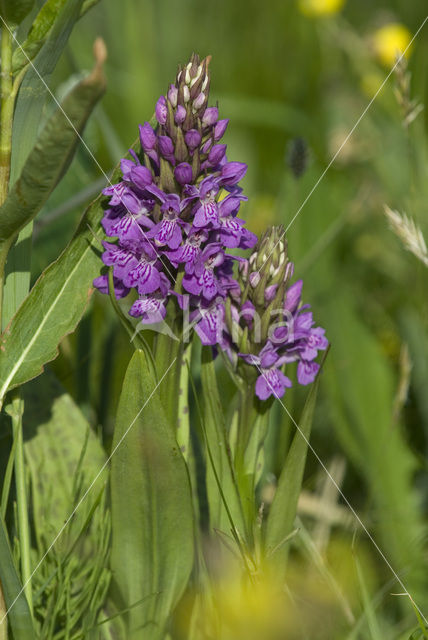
263, 607
315, 8
390, 41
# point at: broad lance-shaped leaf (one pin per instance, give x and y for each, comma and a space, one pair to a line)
40, 29
55, 304
152, 514
19, 616
59, 447
284, 506
42, 24
31, 98
52, 153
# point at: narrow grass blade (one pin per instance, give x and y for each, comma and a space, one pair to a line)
19, 616
284, 506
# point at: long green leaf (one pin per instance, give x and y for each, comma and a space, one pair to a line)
55, 304
152, 515
40, 28
34, 88
284, 506
19, 615
215, 431
52, 154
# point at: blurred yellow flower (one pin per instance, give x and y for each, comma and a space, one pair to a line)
315, 8
390, 41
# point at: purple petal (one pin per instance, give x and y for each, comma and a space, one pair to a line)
210, 116
220, 129
166, 146
180, 115
307, 371
272, 382
173, 95
192, 139
147, 136
150, 308
141, 176
183, 173
293, 296
233, 172
161, 110
216, 154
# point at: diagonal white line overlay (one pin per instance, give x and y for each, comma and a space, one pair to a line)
79, 136
349, 505
343, 143
87, 491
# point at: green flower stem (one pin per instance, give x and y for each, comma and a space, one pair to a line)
169, 349
16, 412
183, 429
252, 427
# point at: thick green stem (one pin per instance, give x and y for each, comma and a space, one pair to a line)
183, 429
17, 410
252, 426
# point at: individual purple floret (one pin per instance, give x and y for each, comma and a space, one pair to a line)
173, 216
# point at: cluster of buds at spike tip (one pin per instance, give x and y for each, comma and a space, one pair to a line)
268, 270
173, 217
267, 325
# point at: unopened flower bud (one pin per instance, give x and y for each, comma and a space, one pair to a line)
210, 117
166, 146
220, 129
173, 95
147, 136
141, 176
183, 173
199, 101
180, 115
217, 153
192, 138
161, 110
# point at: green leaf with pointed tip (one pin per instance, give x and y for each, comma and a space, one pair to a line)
55, 304
284, 506
51, 155
152, 513
19, 616
40, 28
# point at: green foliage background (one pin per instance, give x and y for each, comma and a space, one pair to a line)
279, 75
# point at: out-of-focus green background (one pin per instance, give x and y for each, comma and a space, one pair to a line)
280, 72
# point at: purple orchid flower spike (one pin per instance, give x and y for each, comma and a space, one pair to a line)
174, 213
